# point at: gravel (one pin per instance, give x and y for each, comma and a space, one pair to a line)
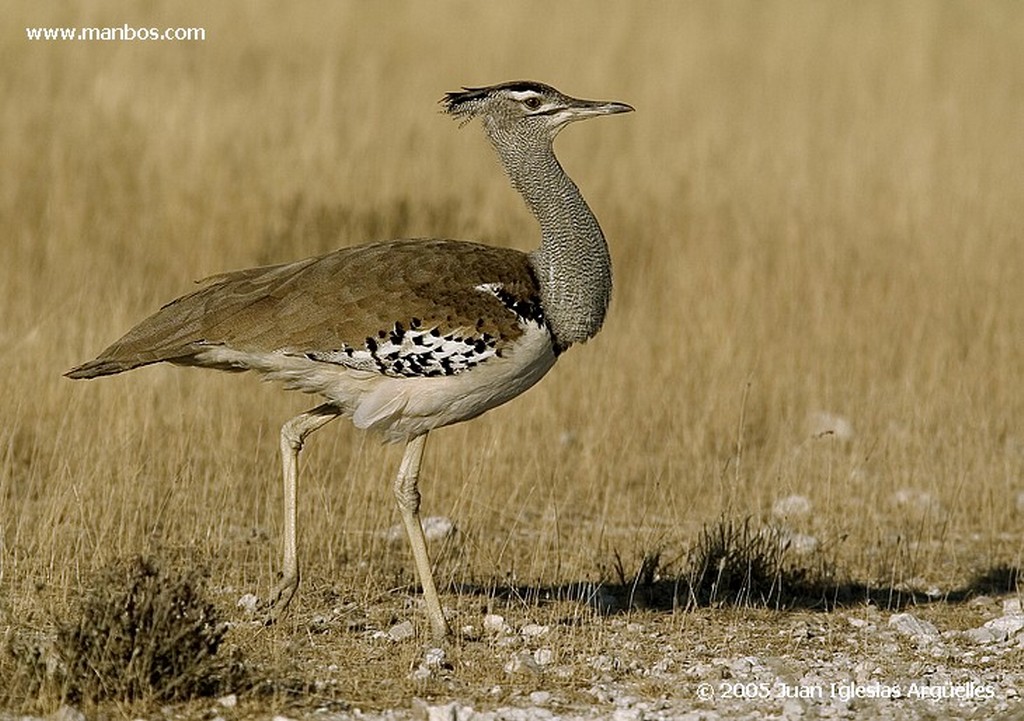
857, 663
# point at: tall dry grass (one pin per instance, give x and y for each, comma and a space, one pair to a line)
816, 207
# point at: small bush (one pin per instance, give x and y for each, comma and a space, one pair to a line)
142, 633
734, 564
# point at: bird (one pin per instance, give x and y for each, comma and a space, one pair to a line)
406, 336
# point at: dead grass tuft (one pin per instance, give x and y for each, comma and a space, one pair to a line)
143, 632
734, 563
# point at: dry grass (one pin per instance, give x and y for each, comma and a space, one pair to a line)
815, 208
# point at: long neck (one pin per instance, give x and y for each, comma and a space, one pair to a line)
572, 263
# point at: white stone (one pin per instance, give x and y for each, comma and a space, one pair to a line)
421, 673
741, 667
544, 656
800, 543
249, 603
539, 698
522, 662
983, 635
792, 708
435, 528
67, 713
447, 712
495, 623
916, 500
533, 630
792, 507
823, 423
909, 625
229, 701
434, 657
401, 631
1004, 627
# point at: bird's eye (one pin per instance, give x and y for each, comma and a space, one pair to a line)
532, 102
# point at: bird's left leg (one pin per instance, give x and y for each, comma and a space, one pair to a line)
293, 435
408, 495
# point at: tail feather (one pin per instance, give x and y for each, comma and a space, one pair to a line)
103, 367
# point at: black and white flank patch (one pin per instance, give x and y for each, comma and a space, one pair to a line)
417, 351
413, 352
527, 310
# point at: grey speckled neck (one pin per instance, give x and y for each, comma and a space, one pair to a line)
572, 263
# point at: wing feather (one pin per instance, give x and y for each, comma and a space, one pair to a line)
326, 303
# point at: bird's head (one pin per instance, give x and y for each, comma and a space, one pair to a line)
524, 106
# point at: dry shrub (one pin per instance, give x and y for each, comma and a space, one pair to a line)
733, 563
142, 632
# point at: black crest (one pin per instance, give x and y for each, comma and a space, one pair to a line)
465, 103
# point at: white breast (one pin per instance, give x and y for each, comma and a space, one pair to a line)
405, 407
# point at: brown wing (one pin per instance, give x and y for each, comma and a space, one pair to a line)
326, 304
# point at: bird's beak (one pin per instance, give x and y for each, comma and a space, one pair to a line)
592, 108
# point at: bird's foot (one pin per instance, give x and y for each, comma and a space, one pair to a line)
439, 628
277, 604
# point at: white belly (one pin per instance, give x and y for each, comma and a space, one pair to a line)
405, 407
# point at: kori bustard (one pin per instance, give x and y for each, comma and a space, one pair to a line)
409, 335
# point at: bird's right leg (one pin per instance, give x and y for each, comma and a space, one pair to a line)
293, 435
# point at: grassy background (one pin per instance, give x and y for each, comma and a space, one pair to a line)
815, 208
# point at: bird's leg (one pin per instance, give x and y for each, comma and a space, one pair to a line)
408, 495
293, 434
